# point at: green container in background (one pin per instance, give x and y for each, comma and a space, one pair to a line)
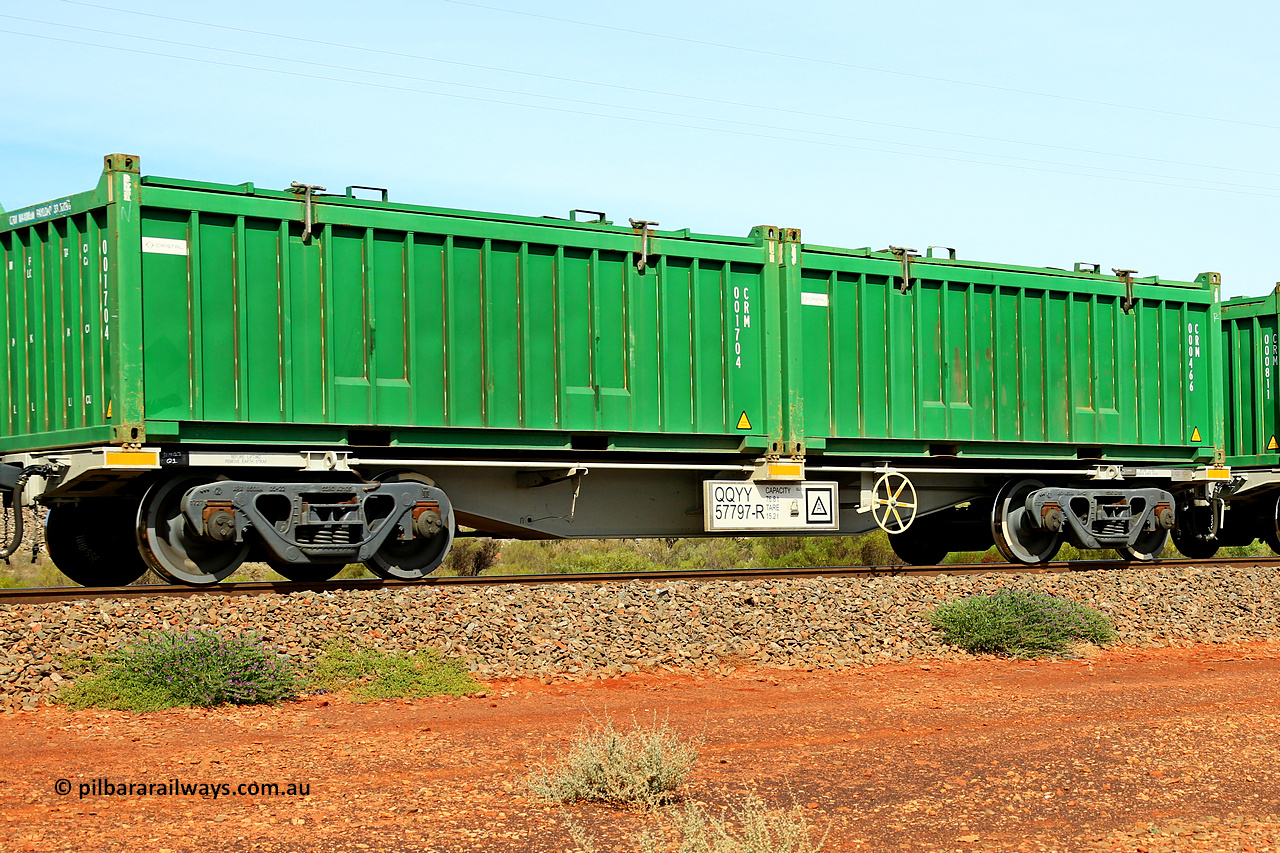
1251, 339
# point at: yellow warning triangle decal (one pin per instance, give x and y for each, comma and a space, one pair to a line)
744, 422
1195, 434
1271, 445
108, 410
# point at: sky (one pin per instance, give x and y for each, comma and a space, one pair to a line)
1137, 135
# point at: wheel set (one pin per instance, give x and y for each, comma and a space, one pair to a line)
114, 541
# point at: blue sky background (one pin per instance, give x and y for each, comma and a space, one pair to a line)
1140, 135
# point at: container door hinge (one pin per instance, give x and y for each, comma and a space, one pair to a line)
306, 191
644, 225
905, 255
1126, 304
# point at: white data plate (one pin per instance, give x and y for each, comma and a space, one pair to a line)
745, 505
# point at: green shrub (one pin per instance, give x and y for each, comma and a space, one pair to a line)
641, 767
200, 668
750, 827
1020, 623
374, 674
471, 556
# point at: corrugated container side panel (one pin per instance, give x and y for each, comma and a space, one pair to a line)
931, 357
172, 376
817, 392
540, 332
307, 317
1248, 395
428, 365
502, 338
901, 387
676, 288
55, 360
1103, 369
982, 362
262, 348
1006, 417
612, 321
641, 350
578, 411
952, 340
1259, 355
15, 267
1263, 360
347, 319
869, 305
1028, 343
376, 326
708, 286
845, 354
219, 360
1053, 340
1128, 342
51, 354
996, 356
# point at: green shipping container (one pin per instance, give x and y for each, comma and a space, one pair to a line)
941, 357
1251, 337
166, 311
172, 312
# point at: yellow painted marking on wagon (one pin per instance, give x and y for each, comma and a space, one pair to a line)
134, 457
743, 421
1271, 445
1195, 434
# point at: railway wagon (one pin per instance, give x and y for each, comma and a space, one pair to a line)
200, 373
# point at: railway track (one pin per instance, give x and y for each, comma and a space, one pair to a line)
54, 594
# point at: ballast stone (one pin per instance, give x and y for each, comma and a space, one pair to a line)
581, 632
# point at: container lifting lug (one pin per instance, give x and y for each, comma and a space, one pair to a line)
644, 225
306, 190
905, 255
1126, 304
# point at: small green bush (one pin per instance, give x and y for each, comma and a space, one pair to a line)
471, 556
374, 674
641, 767
1020, 623
750, 827
199, 668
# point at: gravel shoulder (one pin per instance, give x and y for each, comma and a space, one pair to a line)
1126, 750
581, 631
832, 694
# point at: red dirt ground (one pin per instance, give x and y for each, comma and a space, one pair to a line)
1167, 749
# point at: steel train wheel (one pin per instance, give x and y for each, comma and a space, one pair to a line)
416, 559
1270, 528
1148, 545
1017, 541
175, 551
920, 547
93, 542
1187, 537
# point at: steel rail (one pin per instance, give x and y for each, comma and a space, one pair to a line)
46, 595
